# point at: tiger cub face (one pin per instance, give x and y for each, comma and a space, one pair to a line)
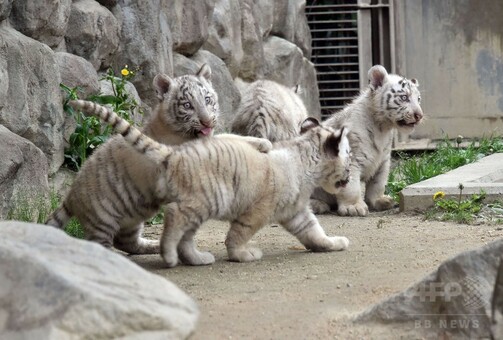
189, 104
397, 98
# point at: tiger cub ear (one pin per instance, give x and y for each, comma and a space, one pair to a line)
414, 81
337, 144
377, 76
163, 84
205, 72
308, 124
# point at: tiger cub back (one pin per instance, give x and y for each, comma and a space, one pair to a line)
226, 178
269, 110
116, 189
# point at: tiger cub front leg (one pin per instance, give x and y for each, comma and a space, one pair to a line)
307, 229
237, 239
374, 194
261, 144
350, 198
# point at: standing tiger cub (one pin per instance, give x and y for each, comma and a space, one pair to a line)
226, 178
269, 110
390, 102
116, 189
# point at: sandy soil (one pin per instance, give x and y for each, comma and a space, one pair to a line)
295, 294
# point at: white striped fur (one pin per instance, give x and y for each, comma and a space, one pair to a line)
269, 110
390, 102
226, 178
116, 189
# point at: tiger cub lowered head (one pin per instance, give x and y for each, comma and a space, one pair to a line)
269, 110
390, 102
116, 189
226, 178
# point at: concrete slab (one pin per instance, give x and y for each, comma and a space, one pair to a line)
485, 174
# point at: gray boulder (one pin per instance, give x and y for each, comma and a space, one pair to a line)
189, 23
23, 172
455, 298
77, 71
5, 8
290, 23
57, 287
42, 20
93, 33
263, 11
228, 95
224, 39
284, 63
252, 43
146, 43
29, 93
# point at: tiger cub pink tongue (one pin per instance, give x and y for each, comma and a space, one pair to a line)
206, 131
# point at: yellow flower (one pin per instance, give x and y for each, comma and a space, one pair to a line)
125, 72
438, 195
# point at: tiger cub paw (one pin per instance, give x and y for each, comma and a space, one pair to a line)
339, 243
245, 254
383, 203
358, 209
319, 207
264, 146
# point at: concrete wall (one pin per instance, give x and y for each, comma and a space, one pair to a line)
455, 49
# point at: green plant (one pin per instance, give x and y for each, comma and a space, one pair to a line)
456, 209
90, 132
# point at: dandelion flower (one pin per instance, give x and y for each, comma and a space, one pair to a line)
438, 195
125, 72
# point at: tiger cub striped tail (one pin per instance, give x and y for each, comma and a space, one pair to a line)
140, 142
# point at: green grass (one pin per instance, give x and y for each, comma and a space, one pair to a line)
413, 168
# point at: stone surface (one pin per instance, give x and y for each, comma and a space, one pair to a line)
5, 8
77, 71
485, 174
458, 293
146, 43
224, 38
189, 23
497, 305
93, 33
290, 23
30, 99
57, 287
252, 43
228, 95
106, 89
23, 171
263, 11
42, 20
284, 63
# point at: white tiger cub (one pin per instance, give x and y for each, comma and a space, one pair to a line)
269, 110
226, 178
390, 102
116, 189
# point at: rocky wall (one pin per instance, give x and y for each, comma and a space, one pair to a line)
46, 42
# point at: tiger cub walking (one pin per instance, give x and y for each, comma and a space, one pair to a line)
117, 190
269, 110
225, 178
390, 102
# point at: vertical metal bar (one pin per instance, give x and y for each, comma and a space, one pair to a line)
364, 42
392, 39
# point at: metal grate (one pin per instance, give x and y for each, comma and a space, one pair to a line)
334, 32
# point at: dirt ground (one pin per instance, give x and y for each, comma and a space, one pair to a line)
295, 294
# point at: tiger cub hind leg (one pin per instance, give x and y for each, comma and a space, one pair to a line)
306, 228
237, 239
180, 225
130, 240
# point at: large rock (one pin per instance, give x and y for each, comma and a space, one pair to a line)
456, 298
30, 99
224, 39
93, 33
284, 63
263, 11
228, 95
145, 43
57, 287
42, 20
23, 172
252, 43
106, 88
77, 71
290, 23
189, 23
5, 8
